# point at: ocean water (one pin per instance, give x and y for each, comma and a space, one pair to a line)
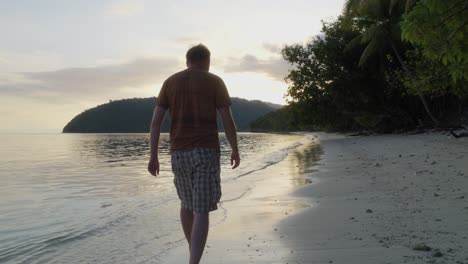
87, 198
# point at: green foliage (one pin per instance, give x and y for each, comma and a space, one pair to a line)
440, 28
134, 116
328, 90
431, 77
378, 21
359, 73
281, 120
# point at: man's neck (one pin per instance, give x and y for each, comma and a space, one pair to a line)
197, 68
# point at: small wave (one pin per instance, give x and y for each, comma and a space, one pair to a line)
238, 197
269, 160
32, 250
35, 248
252, 171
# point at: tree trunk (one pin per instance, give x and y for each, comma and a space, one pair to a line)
420, 95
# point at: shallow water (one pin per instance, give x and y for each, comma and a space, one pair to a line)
74, 198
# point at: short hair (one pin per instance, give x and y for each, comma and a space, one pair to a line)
198, 53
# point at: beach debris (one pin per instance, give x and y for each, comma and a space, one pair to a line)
106, 205
459, 197
369, 211
436, 195
461, 134
377, 164
437, 254
422, 247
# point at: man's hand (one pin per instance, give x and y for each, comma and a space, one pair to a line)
153, 166
235, 159
231, 134
158, 116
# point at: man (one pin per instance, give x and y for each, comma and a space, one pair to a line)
192, 97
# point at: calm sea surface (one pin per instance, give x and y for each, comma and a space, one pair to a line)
87, 198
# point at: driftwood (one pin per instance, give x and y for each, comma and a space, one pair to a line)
463, 133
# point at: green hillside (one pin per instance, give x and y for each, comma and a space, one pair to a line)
134, 116
280, 120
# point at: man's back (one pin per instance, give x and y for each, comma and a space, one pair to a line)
192, 97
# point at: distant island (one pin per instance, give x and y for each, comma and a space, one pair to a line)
134, 116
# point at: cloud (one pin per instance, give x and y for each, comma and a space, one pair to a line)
273, 48
125, 8
12, 63
274, 67
192, 40
106, 81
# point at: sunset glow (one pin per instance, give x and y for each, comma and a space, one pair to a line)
58, 59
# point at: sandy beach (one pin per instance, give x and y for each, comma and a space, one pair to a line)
339, 199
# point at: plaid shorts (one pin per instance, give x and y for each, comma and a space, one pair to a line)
197, 178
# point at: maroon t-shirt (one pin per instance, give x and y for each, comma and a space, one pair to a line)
192, 97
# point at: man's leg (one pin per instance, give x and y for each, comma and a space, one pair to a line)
186, 217
199, 235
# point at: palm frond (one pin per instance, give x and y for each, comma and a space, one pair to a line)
378, 32
351, 7
354, 43
370, 33
371, 49
369, 8
350, 12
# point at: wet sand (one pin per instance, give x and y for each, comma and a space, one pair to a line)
340, 199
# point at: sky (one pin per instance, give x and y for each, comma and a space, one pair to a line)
59, 58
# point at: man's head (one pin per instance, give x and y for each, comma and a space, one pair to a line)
198, 57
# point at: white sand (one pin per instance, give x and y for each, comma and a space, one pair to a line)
415, 186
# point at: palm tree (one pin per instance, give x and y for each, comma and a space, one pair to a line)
379, 21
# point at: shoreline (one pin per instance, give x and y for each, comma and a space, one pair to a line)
372, 200
251, 219
381, 197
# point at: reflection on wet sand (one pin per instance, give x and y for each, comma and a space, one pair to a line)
302, 161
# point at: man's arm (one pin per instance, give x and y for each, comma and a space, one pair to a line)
231, 134
155, 130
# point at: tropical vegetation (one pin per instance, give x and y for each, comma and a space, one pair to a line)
383, 65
